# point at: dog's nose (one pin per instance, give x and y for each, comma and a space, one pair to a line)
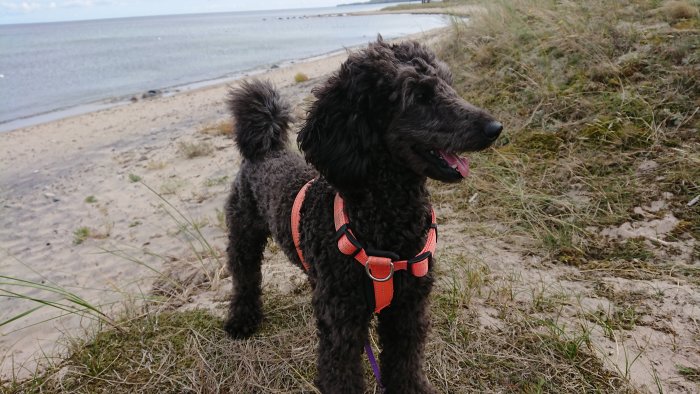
493, 129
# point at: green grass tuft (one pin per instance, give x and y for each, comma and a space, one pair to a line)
690, 373
80, 235
300, 77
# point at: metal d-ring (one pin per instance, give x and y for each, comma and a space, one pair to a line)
389, 276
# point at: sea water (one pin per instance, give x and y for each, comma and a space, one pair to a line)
56, 66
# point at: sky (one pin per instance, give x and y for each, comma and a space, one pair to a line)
34, 11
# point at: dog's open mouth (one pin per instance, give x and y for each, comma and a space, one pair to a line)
448, 164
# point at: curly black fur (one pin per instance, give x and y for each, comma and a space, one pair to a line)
371, 135
262, 118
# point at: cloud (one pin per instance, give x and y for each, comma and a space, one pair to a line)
78, 3
21, 6
87, 3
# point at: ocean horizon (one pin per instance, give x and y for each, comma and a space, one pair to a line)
58, 69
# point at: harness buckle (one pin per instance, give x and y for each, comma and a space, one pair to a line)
382, 262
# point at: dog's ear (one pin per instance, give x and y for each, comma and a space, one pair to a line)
342, 136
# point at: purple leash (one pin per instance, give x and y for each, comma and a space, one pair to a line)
375, 366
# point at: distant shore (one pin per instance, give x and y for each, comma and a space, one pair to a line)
112, 102
457, 10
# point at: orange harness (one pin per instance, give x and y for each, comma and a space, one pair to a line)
379, 265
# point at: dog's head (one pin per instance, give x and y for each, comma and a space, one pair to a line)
393, 106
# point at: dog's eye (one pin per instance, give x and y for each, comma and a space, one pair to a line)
423, 96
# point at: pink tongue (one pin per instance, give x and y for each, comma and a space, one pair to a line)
461, 162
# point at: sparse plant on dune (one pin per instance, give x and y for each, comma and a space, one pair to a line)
676, 10
300, 77
195, 149
224, 128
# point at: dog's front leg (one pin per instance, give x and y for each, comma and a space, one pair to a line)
342, 321
403, 327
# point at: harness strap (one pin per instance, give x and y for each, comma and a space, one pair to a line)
296, 219
380, 266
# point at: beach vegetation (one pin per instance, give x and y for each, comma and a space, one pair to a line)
90, 199
679, 9
156, 165
690, 373
133, 178
83, 233
80, 235
221, 220
585, 110
188, 351
45, 293
192, 150
300, 77
216, 181
222, 128
172, 185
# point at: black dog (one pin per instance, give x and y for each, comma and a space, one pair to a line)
381, 125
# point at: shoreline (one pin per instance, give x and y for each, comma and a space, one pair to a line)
167, 91
148, 92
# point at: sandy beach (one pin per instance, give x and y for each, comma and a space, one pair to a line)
77, 178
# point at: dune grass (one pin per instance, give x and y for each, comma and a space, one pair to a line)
590, 93
221, 128
599, 102
191, 150
189, 352
677, 10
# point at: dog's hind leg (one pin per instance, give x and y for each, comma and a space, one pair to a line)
247, 237
403, 328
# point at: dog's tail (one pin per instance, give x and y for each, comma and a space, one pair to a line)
262, 118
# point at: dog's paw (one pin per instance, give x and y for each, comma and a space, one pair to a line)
420, 387
427, 389
242, 325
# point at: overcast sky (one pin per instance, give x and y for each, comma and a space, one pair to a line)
13, 11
